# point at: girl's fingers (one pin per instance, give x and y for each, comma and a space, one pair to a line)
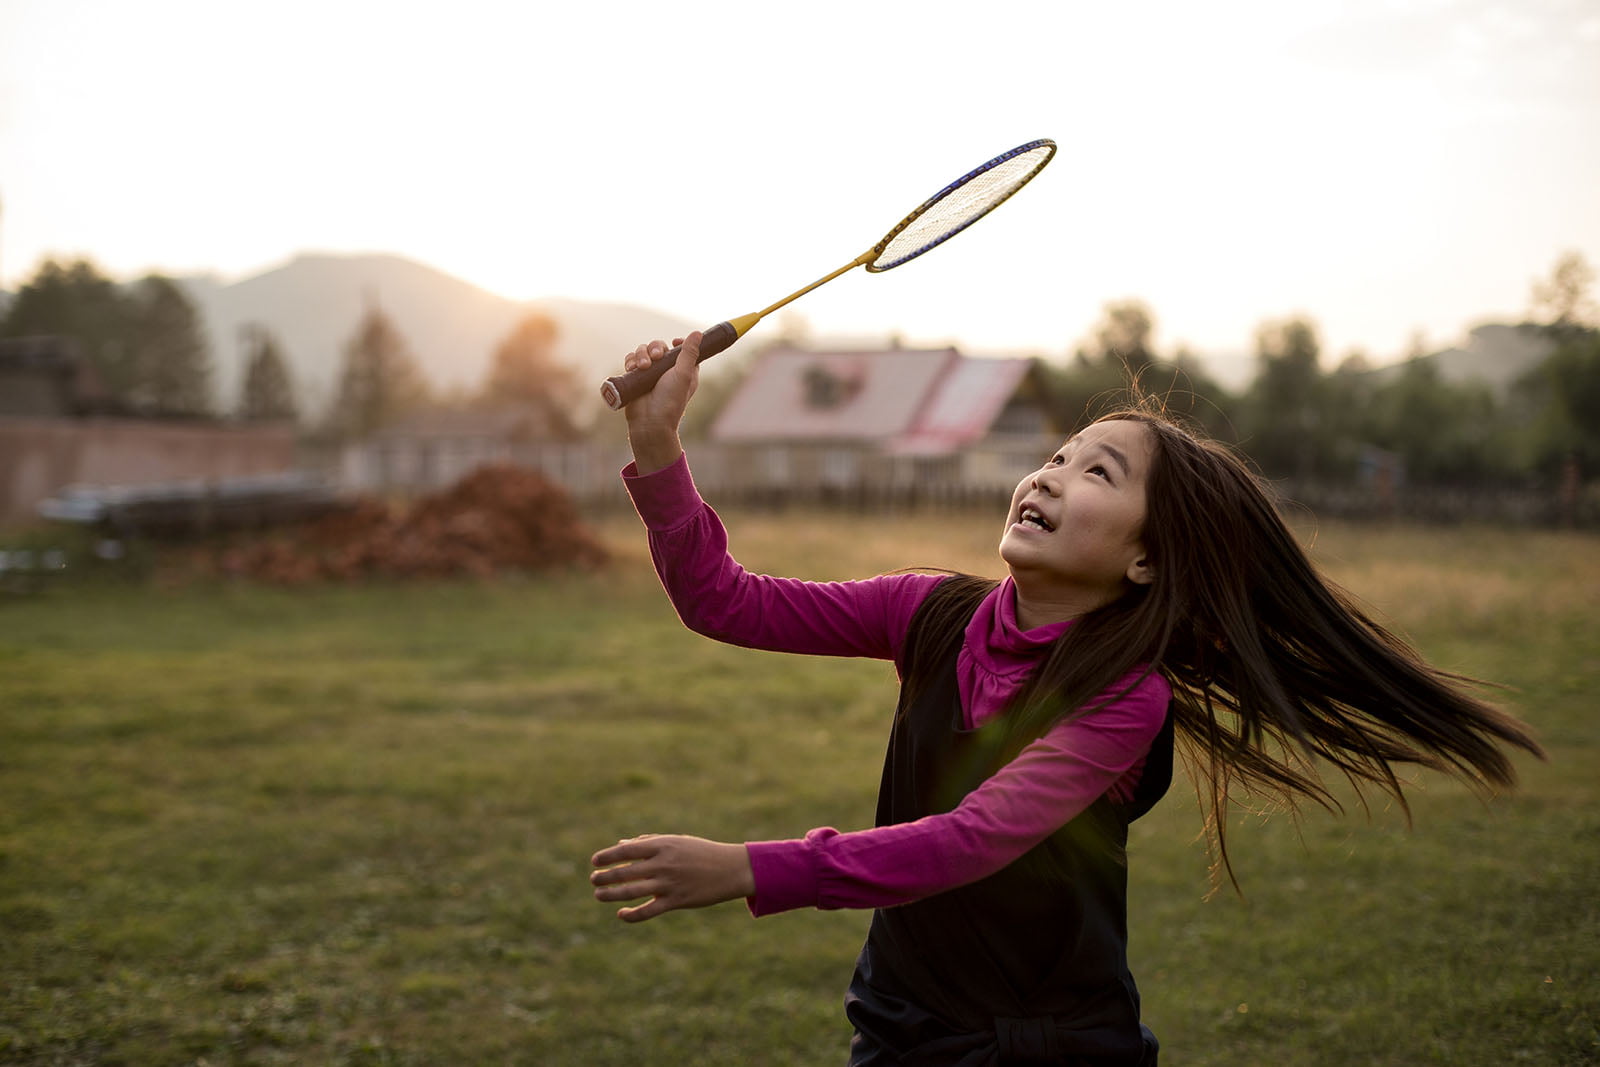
616, 874
691, 347
644, 355
625, 851
648, 910
631, 890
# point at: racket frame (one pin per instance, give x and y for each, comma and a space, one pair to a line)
874, 267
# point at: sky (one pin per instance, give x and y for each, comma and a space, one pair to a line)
1397, 170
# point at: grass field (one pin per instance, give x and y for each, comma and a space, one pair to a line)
241, 825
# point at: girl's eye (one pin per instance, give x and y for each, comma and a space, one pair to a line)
1097, 469
1057, 460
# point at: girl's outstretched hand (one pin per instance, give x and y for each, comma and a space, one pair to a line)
674, 871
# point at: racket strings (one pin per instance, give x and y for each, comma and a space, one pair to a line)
959, 205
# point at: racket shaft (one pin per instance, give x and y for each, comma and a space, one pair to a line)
620, 390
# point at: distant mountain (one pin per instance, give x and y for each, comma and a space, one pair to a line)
314, 302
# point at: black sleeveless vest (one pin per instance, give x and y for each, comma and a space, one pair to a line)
1026, 965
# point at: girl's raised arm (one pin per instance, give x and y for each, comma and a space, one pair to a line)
713, 594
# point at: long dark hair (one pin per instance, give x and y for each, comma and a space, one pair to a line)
1273, 668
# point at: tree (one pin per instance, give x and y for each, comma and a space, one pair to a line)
1444, 432
1085, 388
1124, 335
169, 361
1188, 392
146, 344
1283, 417
1562, 302
1120, 361
77, 300
1344, 401
380, 380
268, 389
1562, 399
526, 372
1100, 375
525, 369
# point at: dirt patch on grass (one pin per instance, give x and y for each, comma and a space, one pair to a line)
499, 518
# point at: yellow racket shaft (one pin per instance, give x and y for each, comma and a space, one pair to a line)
620, 390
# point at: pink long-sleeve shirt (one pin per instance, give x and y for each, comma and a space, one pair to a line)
1046, 785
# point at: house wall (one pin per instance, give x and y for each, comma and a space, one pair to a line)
41, 456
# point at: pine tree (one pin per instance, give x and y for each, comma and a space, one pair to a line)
268, 389
169, 360
1283, 408
380, 380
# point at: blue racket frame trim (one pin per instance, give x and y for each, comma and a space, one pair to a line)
876, 267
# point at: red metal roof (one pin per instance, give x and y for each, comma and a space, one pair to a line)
969, 397
908, 401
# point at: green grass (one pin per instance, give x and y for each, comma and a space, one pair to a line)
351, 826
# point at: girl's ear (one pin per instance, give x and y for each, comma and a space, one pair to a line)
1140, 572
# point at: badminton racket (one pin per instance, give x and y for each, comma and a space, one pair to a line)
936, 220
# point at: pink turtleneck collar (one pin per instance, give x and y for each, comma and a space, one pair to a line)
997, 654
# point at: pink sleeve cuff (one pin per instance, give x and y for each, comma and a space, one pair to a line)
785, 874
664, 499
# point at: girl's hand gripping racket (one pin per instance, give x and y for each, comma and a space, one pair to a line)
939, 218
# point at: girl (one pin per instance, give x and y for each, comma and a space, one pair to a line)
1154, 595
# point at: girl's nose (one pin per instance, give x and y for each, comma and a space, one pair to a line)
1042, 481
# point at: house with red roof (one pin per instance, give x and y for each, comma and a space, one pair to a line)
898, 422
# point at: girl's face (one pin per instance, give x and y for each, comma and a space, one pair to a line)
1075, 531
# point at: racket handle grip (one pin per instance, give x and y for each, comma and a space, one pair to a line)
622, 389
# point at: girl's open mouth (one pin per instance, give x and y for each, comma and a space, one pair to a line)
1031, 516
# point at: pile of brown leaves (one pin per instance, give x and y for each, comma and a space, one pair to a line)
498, 518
